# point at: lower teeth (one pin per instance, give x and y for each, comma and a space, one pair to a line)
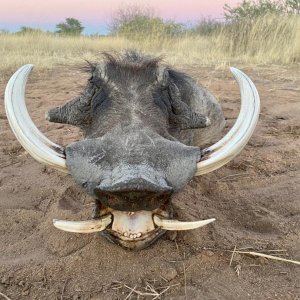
132, 235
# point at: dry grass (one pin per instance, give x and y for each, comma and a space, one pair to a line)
266, 40
46, 50
264, 255
272, 257
147, 292
4, 296
270, 39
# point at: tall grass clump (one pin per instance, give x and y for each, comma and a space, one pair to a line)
267, 39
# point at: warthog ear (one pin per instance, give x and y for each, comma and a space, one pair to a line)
162, 75
100, 73
75, 112
192, 106
182, 115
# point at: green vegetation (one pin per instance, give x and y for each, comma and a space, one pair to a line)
250, 9
206, 27
4, 31
71, 26
137, 22
267, 38
29, 30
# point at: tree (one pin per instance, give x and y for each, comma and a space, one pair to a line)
250, 9
71, 26
293, 6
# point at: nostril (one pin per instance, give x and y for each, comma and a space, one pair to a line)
136, 195
130, 193
132, 200
133, 195
127, 196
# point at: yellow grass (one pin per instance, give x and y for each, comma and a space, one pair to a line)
270, 39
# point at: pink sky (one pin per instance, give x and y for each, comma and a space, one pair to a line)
93, 12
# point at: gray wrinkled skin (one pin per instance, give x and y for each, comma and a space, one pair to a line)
131, 159
143, 124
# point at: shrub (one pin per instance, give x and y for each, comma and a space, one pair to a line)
71, 26
206, 27
250, 9
138, 23
29, 30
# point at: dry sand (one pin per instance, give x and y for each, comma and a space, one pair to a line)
255, 199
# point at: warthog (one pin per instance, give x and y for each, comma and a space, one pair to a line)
144, 126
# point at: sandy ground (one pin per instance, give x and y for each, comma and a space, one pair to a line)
255, 199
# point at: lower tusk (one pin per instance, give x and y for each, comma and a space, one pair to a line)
178, 225
83, 226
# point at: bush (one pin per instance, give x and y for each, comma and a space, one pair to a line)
250, 9
141, 26
138, 23
29, 30
206, 27
293, 6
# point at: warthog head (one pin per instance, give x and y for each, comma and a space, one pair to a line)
143, 124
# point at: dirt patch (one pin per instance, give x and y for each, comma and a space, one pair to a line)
255, 199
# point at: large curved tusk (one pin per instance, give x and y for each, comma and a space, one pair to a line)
168, 224
33, 141
83, 226
236, 139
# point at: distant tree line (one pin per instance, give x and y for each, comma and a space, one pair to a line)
70, 27
137, 22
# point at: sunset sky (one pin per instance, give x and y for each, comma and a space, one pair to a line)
96, 14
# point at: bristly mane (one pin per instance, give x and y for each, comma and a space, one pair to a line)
130, 59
